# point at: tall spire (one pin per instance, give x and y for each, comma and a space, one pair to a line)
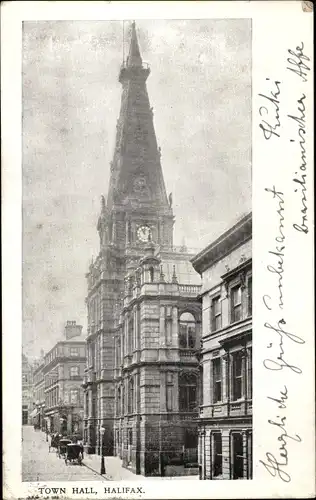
136, 172
134, 57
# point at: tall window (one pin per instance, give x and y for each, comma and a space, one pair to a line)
238, 455
249, 296
249, 457
187, 392
66, 397
237, 361
118, 402
217, 380
123, 398
74, 351
168, 324
217, 454
130, 333
131, 396
216, 314
187, 329
74, 371
169, 392
151, 274
236, 303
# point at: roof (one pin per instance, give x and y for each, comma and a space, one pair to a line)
235, 236
74, 340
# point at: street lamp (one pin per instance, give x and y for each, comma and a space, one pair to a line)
102, 431
46, 428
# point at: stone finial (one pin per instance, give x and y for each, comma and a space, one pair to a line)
102, 203
174, 276
170, 200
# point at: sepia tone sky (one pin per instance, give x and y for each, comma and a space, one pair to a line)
200, 90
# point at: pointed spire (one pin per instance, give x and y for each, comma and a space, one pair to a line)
134, 57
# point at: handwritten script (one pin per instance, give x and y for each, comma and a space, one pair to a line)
279, 358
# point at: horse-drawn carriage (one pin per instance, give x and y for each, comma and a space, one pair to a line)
74, 453
62, 447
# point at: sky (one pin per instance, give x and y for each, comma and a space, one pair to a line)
200, 91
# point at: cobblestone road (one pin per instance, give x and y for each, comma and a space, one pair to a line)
40, 465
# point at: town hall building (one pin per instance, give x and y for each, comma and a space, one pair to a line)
141, 382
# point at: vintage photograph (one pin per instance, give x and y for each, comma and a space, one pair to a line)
137, 250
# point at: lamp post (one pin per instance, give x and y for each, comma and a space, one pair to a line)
102, 431
46, 428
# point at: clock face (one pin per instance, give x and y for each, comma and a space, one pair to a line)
144, 233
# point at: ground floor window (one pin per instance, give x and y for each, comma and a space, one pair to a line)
237, 456
249, 457
217, 458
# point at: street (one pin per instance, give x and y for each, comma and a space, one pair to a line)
40, 465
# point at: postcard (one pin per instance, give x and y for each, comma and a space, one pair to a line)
156, 157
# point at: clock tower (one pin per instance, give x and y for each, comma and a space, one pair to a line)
137, 211
137, 205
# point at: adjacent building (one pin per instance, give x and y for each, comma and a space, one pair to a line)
141, 381
63, 373
27, 391
225, 426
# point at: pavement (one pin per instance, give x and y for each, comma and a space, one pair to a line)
114, 471
38, 464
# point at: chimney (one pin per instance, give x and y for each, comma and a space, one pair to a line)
72, 330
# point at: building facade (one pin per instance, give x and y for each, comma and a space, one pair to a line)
156, 366
225, 426
63, 372
142, 293
27, 391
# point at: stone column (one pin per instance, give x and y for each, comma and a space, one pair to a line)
230, 378
209, 390
163, 406
225, 377
175, 327
135, 328
127, 223
162, 325
248, 375
244, 377
138, 332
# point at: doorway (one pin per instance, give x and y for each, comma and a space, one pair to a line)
129, 449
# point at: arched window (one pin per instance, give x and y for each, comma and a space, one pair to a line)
118, 402
151, 274
187, 331
187, 392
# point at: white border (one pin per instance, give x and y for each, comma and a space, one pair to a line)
277, 27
